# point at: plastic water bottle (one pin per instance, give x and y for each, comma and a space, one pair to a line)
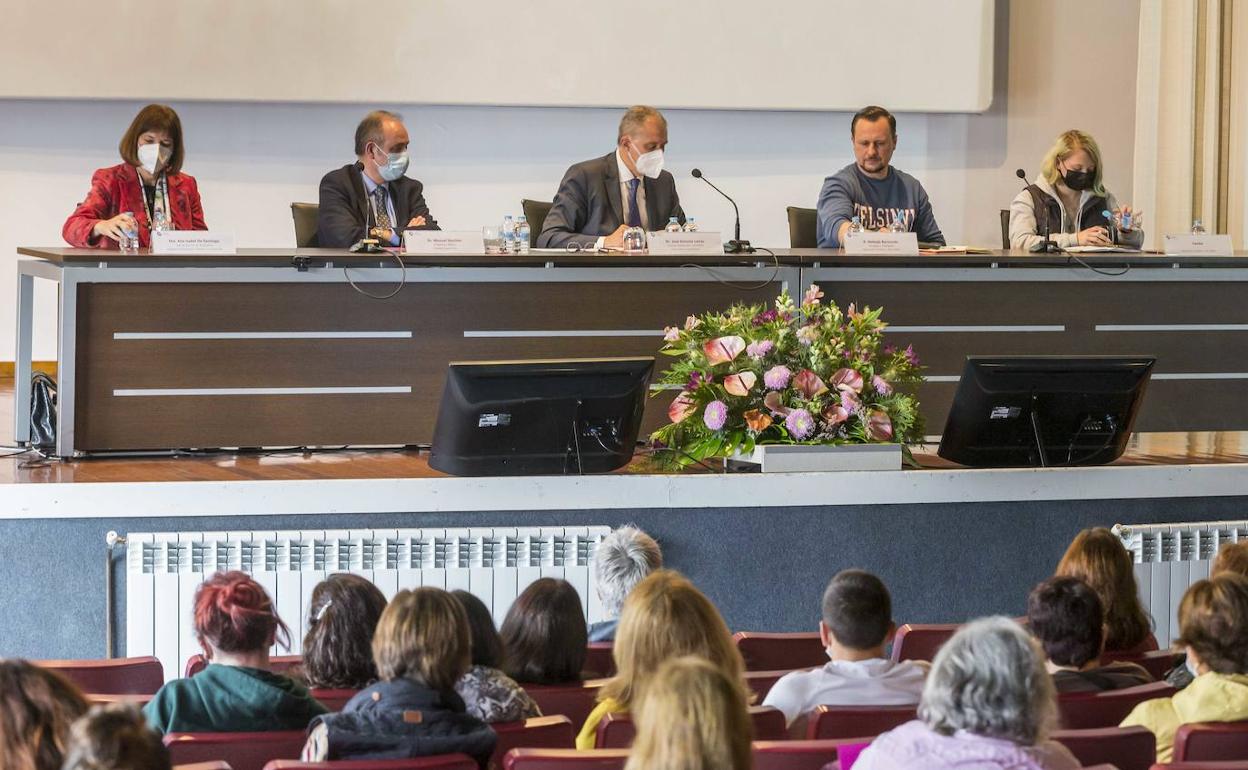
509, 235
129, 242
898, 225
522, 234
1198, 227
673, 225
691, 225
855, 227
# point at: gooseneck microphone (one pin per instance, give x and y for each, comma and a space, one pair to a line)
1047, 246
736, 245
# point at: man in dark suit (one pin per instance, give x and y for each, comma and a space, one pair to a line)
599, 198
372, 196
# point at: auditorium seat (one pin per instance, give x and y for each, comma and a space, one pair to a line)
439, 762
217, 765
1234, 765
565, 759
535, 212
548, 732
243, 751
1127, 748
1156, 662
1079, 711
1005, 229
803, 227
616, 731
112, 676
574, 701
761, 682
829, 722
278, 664
1211, 741
1148, 645
921, 641
305, 215
776, 652
598, 660
132, 699
796, 755
333, 700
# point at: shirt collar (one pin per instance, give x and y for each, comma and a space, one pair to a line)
369, 184
864, 669
625, 174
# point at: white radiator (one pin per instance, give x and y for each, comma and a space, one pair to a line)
1169, 558
496, 564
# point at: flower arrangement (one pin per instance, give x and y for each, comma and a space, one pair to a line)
808, 374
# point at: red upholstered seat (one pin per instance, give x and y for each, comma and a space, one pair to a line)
1156, 662
1211, 741
243, 751
1241, 765
204, 766
795, 755
761, 682
549, 732
1148, 645
574, 701
921, 642
334, 700
616, 731
777, 652
598, 660
565, 759
278, 664
1127, 748
440, 762
138, 701
829, 722
114, 676
1080, 711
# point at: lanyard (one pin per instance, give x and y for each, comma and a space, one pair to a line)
162, 199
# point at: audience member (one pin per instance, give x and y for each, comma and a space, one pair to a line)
544, 634
1066, 616
988, 703
1232, 557
857, 623
421, 648
1213, 628
621, 561
37, 708
114, 737
488, 693
342, 616
1097, 557
236, 625
664, 617
691, 716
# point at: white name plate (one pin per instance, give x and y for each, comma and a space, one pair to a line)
443, 242
1199, 246
176, 242
883, 244
665, 244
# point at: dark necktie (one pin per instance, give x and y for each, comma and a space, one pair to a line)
379, 205
634, 214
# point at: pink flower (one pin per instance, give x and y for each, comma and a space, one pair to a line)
692, 322
812, 296
808, 384
808, 334
850, 401
757, 421
881, 385
847, 380
852, 312
721, 350
670, 334
759, 349
879, 426
835, 415
715, 415
775, 402
777, 377
739, 384
800, 424
681, 407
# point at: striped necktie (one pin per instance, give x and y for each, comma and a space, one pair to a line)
634, 214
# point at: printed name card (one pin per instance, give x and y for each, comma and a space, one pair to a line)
443, 242
665, 244
1209, 245
883, 244
181, 242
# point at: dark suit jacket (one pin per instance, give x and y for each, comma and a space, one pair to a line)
344, 208
588, 204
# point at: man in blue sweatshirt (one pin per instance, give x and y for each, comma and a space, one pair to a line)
870, 189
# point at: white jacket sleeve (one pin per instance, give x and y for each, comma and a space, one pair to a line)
1023, 231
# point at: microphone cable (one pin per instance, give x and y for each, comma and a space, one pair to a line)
399, 288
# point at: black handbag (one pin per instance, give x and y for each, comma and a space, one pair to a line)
42, 410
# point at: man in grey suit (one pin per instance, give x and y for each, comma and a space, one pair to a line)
599, 198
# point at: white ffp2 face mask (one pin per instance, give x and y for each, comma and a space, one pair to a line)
149, 156
650, 164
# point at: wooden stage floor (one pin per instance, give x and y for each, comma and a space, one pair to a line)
1144, 449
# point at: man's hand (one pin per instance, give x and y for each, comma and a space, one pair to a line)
416, 222
616, 239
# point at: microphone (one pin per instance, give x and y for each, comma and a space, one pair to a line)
736, 245
1047, 246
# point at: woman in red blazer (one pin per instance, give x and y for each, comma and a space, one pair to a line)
148, 185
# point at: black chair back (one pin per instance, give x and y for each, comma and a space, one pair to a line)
535, 212
803, 228
305, 215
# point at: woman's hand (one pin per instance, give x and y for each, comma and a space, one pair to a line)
1094, 236
113, 228
1128, 218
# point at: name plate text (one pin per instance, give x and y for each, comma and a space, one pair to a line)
443, 242
1209, 245
179, 242
665, 244
884, 244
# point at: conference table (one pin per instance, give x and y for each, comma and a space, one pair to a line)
284, 347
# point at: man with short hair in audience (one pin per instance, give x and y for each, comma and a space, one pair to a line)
622, 560
857, 624
871, 189
1066, 616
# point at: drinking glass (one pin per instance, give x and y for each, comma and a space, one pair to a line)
492, 236
634, 240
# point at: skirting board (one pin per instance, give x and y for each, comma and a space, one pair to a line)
8, 367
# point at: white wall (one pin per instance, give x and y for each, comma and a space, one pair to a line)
252, 160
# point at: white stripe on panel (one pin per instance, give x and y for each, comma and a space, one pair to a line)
494, 334
375, 335
1172, 327
258, 391
976, 329
1202, 376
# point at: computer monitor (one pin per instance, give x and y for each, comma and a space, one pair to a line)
1044, 410
519, 418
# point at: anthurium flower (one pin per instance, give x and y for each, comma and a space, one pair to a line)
757, 420
879, 426
739, 384
847, 379
808, 384
775, 402
721, 350
835, 415
681, 407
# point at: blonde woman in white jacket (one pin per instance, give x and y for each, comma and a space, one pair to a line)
1071, 193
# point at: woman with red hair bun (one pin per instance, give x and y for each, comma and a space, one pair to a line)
236, 626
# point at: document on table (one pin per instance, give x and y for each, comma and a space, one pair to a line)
1101, 250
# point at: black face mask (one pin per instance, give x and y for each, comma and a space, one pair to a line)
1079, 180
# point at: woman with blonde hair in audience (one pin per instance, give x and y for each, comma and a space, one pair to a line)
989, 702
1097, 557
691, 716
664, 617
1213, 628
37, 708
115, 737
